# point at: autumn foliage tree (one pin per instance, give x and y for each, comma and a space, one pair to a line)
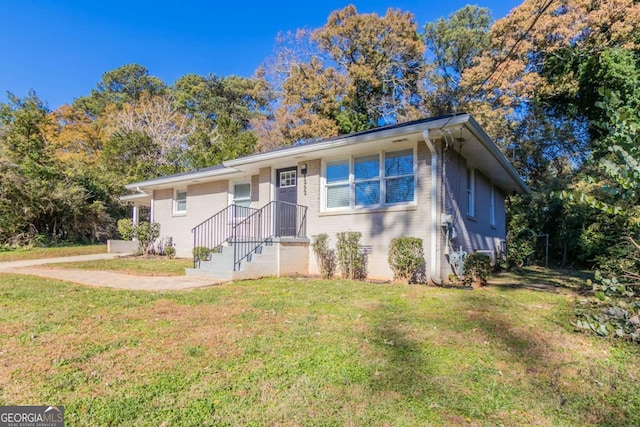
41, 200
356, 72
382, 58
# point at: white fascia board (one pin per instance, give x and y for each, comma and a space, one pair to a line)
159, 182
492, 148
133, 197
347, 140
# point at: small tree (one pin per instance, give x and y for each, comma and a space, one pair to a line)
352, 262
406, 256
146, 234
325, 257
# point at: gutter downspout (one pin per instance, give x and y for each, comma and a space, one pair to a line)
434, 275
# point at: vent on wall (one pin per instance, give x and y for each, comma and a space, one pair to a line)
366, 249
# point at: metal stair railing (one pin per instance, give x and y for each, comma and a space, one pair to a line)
275, 219
213, 232
248, 229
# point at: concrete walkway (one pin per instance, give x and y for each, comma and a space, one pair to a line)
104, 278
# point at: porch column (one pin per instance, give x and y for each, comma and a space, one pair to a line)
135, 215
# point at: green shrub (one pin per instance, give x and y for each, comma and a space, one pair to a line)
146, 233
325, 257
352, 262
476, 269
201, 253
170, 252
406, 256
125, 228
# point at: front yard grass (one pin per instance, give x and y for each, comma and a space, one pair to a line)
136, 265
51, 252
309, 352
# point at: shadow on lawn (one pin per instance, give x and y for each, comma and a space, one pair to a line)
556, 280
539, 368
406, 368
546, 362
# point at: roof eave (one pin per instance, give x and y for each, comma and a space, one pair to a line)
133, 197
492, 148
163, 181
347, 140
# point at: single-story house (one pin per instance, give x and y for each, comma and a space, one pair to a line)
441, 179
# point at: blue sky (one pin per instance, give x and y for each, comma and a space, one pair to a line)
61, 48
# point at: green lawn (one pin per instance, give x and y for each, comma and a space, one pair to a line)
159, 266
52, 252
309, 352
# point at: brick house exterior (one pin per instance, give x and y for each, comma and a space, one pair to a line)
441, 179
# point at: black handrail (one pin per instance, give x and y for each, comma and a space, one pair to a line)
248, 229
275, 219
213, 232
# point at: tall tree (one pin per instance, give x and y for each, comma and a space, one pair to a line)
382, 58
76, 137
154, 118
356, 72
534, 47
222, 110
453, 46
40, 200
311, 107
124, 84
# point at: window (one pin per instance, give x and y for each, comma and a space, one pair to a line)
492, 207
242, 195
471, 189
180, 202
398, 172
338, 184
288, 178
366, 174
373, 180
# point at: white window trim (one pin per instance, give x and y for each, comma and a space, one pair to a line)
492, 206
177, 212
471, 193
232, 193
295, 177
232, 215
353, 208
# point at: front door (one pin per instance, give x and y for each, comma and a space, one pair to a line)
286, 191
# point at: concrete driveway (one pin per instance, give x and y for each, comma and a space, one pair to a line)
104, 278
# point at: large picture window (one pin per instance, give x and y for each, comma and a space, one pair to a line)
371, 181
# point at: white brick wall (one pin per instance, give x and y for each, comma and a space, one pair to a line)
203, 200
378, 228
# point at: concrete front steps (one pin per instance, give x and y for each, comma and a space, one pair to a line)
279, 257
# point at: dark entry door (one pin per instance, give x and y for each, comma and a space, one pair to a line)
286, 191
